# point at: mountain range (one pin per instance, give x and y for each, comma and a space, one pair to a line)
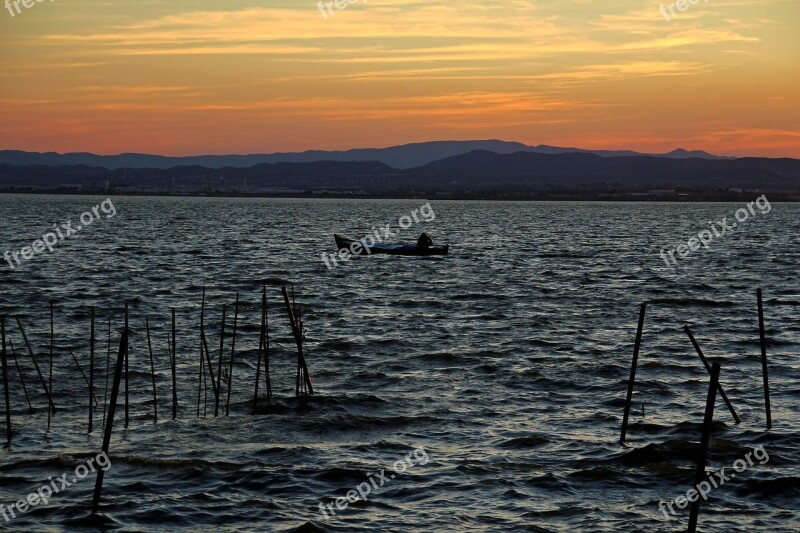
504, 172
401, 157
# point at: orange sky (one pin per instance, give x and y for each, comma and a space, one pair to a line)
184, 77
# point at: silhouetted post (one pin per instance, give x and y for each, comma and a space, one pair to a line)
174, 374
632, 377
700, 473
85, 379
112, 409
260, 345
202, 355
233, 352
708, 368
296, 322
36, 365
91, 375
765, 371
200, 378
21, 377
152, 370
210, 372
204, 347
219, 366
108, 366
127, 347
51, 409
5, 379
267, 377
298, 337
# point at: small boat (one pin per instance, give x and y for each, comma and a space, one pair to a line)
343, 243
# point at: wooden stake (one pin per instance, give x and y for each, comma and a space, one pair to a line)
152, 370
700, 473
219, 367
298, 337
260, 346
200, 378
233, 351
50, 409
5, 379
174, 375
267, 377
127, 347
202, 356
708, 368
21, 377
632, 377
210, 371
36, 365
764, 369
82, 374
91, 375
112, 409
108, 365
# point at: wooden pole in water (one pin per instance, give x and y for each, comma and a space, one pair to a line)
108, 365
112, 409
36, 365
200, 378
700, 473
210, 371
298, 337
50, 409
204, 341
708, 368
91, 397
91, 375
632, 376
219, 366
205, 378
21, 377
174, 375
5, 379
233, 352
152, 370
260, 346
296, 325
202, 356
267, 376
127, 347
764, 369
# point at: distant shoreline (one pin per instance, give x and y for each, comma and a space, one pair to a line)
588, 196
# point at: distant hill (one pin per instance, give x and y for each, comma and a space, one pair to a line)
479, 173
488, 170
402, 157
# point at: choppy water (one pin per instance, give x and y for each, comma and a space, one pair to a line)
507, 361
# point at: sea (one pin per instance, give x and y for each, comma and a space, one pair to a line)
479, 391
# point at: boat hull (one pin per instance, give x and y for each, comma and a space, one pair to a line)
344, 243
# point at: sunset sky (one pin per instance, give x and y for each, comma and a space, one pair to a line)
183, 77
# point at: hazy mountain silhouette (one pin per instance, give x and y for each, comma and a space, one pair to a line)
403, 157
479, 172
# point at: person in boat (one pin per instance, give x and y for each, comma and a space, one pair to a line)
424, 242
